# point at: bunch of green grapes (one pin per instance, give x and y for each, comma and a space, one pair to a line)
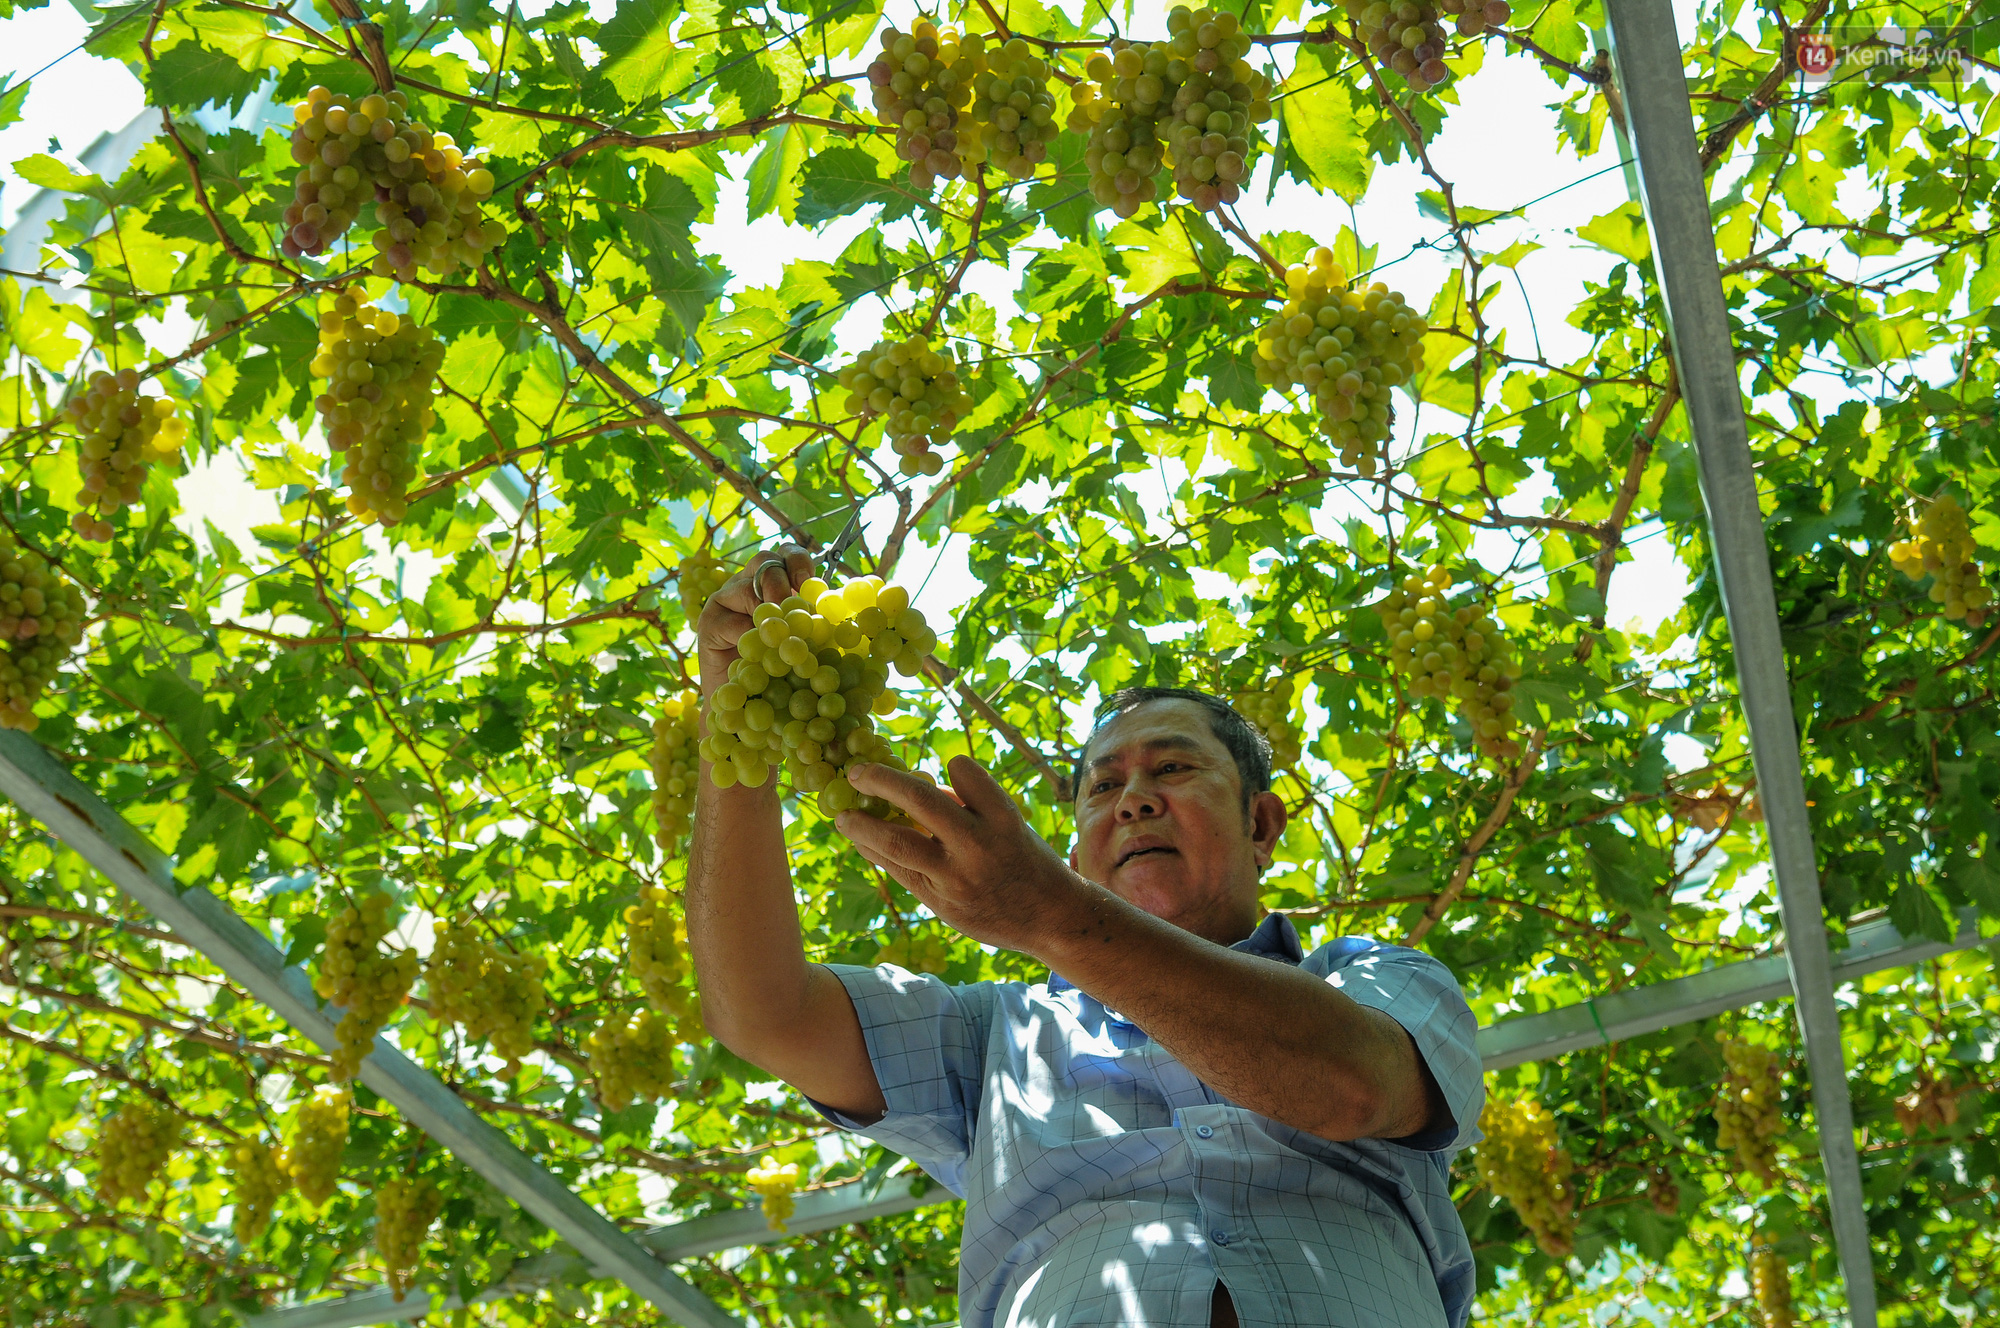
123, 433
381, 377
132, 1148
486, 989
1475, 18
701, 575
319, 1137
41, 623
919, 952
428, 194
257, 1172
916, 388
1940, 547
355, 974
776, 1184
1771, 1281
1747, 1112
810, 674
1013, 116
1406, 36
632, 1059
405, 1207
1217, 100
1269, 707
920, 82
1348, 348
1456, 653
676, 732
1121, 116
1521, 1161
657, 949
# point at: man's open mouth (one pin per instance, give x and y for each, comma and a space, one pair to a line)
1142, 852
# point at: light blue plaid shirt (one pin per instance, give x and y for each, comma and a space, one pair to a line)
1106, 1185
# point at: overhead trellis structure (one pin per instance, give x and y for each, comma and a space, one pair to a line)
679, 238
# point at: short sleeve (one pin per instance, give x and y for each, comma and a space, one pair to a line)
1419, 993
927, 1042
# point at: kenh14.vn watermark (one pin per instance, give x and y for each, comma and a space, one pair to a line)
1879, 55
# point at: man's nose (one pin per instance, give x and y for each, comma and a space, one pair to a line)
1138, 801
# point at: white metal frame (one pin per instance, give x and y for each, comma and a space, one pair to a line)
43, 789
1648, 65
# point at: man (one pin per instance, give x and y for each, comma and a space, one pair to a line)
1191, 1122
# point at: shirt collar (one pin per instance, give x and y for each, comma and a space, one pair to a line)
1275, 938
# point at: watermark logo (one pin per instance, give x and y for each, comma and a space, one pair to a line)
1879, 55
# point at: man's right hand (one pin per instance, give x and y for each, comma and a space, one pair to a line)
767, 578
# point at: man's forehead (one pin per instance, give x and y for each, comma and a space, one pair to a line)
1166, 724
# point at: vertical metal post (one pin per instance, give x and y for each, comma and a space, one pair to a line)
1647, 65
45, 791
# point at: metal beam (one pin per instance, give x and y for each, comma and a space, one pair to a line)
43, 789
1872, 947
818, 1210
1647, 65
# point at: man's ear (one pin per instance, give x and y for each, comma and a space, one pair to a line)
1268, 818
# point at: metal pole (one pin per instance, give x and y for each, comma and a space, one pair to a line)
1647, 64
43, 789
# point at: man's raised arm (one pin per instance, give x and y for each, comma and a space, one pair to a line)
759, 996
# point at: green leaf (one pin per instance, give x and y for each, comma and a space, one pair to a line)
12, 97
45, 171
191, 76
1322, 133
1915, 914
774, 174
1622, 232
1155, 253
842, 180
640, 55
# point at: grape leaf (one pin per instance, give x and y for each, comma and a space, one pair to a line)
1321, 132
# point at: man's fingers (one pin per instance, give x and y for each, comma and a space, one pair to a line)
979, 791
896, 848
936, 809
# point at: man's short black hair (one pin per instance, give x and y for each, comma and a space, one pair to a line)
1246, 743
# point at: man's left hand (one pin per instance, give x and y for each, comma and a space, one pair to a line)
983, 869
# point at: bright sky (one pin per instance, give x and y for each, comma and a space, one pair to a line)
1498, 149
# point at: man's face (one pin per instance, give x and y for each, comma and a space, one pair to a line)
1161, 822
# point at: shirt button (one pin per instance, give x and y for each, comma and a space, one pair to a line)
1204, 1131
1219, 1236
